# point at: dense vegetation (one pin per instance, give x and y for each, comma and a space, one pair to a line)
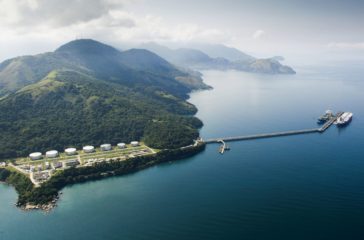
22, 184
49, 190
89, 93
70, 109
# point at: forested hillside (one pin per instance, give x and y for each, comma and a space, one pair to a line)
85, 93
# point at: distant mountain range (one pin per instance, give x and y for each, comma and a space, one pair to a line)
220, 57
87, 92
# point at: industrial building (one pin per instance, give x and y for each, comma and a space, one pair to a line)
47, 165
57, 164
71, 163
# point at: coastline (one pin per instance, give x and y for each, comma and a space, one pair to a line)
46, 196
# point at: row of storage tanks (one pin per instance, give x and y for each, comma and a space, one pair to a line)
73, 151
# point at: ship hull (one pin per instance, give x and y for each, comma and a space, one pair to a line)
344, 119
343, 124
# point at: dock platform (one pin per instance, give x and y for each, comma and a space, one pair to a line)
276, 134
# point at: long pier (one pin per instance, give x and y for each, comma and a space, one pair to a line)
322, 129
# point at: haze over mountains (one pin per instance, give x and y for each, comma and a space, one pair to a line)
208, 56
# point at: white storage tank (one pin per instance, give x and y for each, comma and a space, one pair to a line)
134, 143
52, 154
121, 145
70, 151
88, 149
105, 147
35, 155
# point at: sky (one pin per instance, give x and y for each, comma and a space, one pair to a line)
263, 28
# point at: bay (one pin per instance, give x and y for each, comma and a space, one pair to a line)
297, 187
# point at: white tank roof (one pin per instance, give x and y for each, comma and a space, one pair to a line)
52, 152
134, 143
121, 144
35, 155
106, 145
69, 150
88, 147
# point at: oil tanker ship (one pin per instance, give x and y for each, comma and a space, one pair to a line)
344, 119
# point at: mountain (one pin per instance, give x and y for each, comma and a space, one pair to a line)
87, 92
218, 57
269, 66
222, 51
133, 67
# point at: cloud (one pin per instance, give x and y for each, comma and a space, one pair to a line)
47, 24
23, 13
258, 34
346, 45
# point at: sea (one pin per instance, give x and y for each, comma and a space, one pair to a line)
295, 187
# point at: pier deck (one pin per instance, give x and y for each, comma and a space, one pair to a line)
276, 134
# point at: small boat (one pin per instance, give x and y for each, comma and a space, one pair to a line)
221, 149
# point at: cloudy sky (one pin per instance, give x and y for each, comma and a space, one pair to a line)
259, 27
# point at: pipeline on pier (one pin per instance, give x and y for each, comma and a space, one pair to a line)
276, 134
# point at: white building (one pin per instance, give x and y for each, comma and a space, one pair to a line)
35, 156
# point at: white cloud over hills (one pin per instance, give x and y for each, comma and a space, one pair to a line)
34, 26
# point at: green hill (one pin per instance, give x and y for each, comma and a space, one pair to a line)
90, 93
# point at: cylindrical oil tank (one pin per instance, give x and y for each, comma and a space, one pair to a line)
52, 154
70, 151
134, 143
88, 149
35, 155
105, 147
121, 145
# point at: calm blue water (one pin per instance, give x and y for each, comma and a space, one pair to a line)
298, 187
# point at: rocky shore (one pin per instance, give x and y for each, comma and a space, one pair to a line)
44, 207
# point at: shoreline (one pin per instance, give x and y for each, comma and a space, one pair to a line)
46, 196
